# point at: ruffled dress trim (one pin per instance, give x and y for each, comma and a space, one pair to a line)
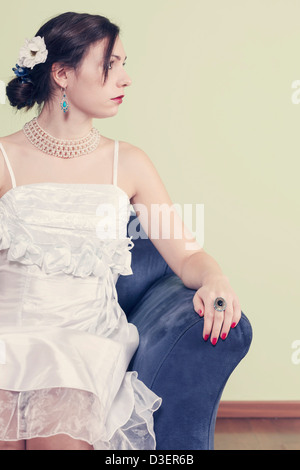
78, 413
91, 258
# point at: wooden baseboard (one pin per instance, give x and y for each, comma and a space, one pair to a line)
259, 409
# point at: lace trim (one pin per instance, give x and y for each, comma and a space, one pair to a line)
78, 413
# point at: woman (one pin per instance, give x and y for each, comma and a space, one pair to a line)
65, 341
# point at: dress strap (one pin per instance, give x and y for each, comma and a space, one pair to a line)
116, 155
13, 179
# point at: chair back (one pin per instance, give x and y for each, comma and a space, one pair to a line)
147, 265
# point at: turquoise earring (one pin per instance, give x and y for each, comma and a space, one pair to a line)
64, 105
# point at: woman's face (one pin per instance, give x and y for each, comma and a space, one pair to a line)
85, 89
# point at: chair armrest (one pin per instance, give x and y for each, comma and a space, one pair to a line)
175, 362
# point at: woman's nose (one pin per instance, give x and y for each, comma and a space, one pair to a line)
125, 80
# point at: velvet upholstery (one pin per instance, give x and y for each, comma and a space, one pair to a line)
172, 359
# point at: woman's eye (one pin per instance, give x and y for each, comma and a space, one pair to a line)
112, 62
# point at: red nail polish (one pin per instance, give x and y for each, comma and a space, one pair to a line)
200, 311
233, 325
214, 341
206, 337
223, 336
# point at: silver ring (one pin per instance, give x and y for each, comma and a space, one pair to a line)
220, 304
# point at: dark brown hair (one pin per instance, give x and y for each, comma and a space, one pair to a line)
67, 37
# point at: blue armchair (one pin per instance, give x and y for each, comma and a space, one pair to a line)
172, 359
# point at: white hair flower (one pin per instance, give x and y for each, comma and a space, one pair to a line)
33, 52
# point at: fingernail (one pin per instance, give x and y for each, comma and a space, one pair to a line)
233, 325
223, 335
200, 311
206, 337
214, 341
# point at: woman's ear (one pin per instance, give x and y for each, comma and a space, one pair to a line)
60, 74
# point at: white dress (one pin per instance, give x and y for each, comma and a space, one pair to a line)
65, 342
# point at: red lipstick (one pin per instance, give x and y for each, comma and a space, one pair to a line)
118, 98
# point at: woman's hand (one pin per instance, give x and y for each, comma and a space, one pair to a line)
217, 323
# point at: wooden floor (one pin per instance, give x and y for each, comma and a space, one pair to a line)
257, 434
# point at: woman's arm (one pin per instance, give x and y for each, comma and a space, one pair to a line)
183, 254
197, 267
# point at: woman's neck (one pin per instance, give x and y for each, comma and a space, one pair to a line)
71, 125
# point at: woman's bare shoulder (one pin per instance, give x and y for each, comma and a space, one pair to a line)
15, 139
130, 148
132, 154
132, 161
135, 158
11, 144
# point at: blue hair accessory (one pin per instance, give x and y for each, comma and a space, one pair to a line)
22, 74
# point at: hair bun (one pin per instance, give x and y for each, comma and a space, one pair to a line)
20, 94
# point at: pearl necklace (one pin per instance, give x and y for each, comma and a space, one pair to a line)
59, 147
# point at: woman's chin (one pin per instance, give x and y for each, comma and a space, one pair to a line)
108, 114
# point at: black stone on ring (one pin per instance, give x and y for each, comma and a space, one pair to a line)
220, 304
